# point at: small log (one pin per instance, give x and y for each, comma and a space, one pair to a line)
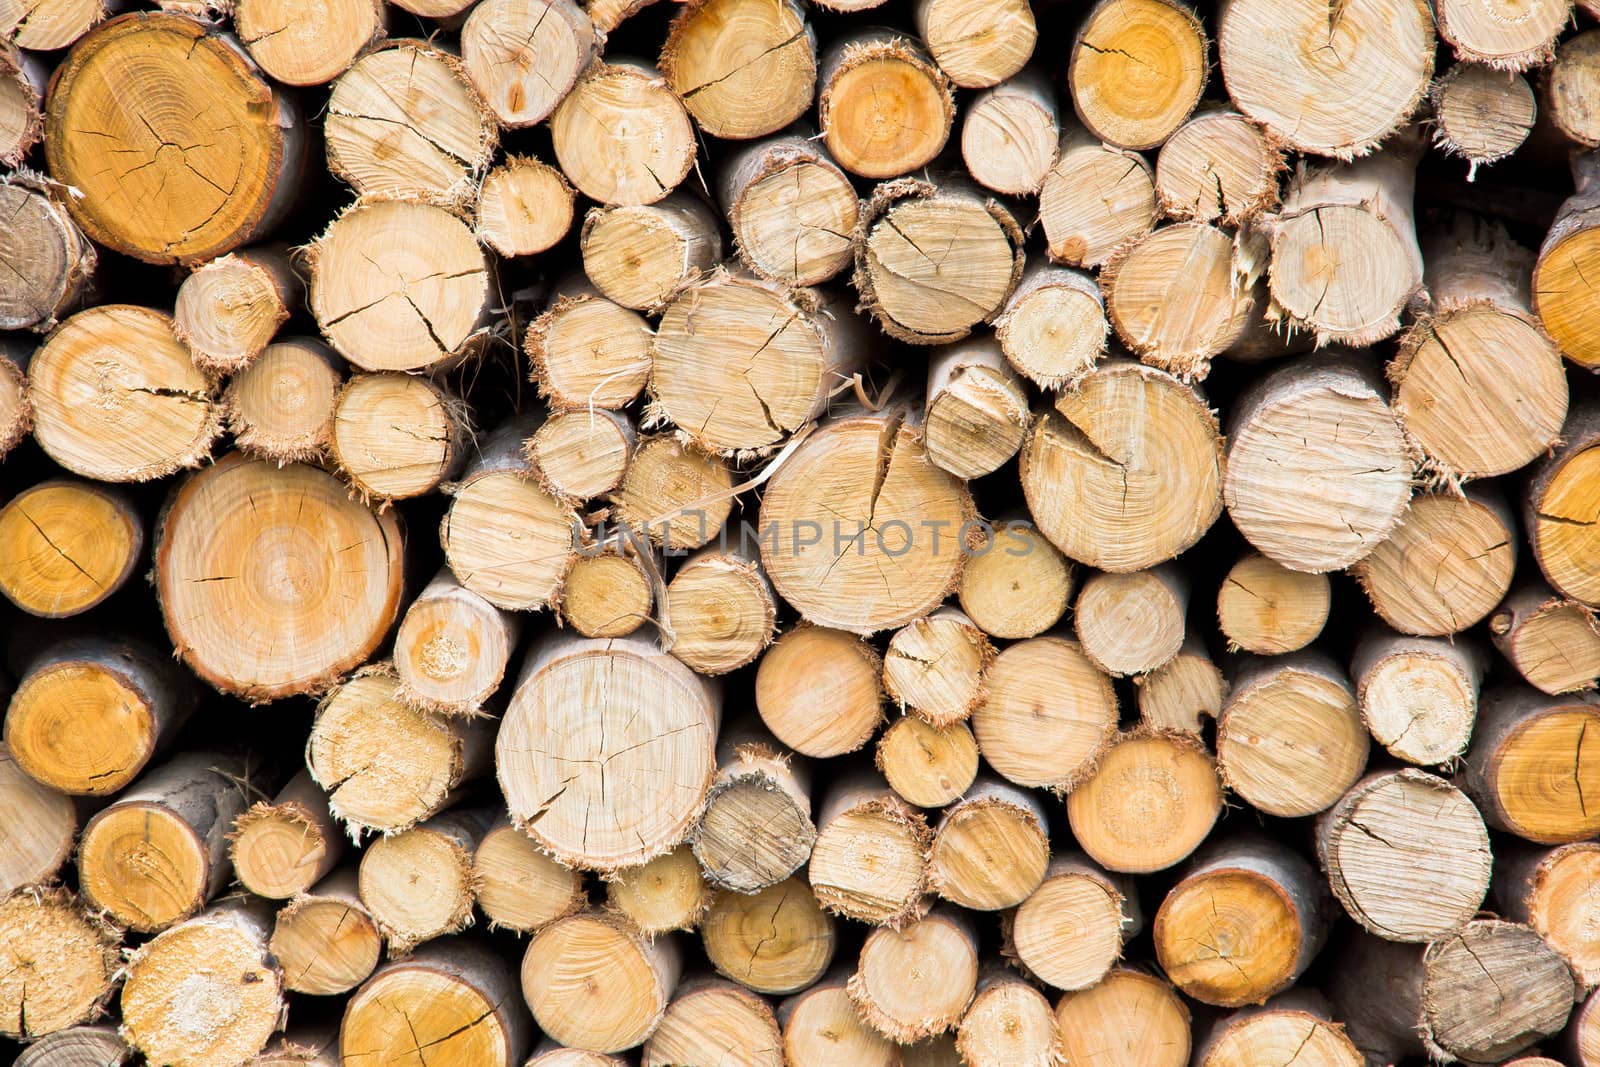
424, 306
1481, 32
1070, 931
621, 135
1329, 501
927, 766
1180, 694
884, 107
524, 206
1047, 716
1294, 1024
668, 893
990, 848
519, 887
1492, 990
1561, 508
1407, 855
656, 721
924, 300
1481, 114
51, 25
1054, 327
77, 1046
1129, 1018
643, 255
1094, 199
280, 407
1561, 297
1290, 739
1418, 695
822, 1028
1126, 471
870, 472
457, 999
452, 648
325, 939
160, 852
777, 941
23, 81
1138, 68
1446, 567
1243, 923
38, 840
67, 545
417, 884
793, 349
1008, 1024
1172, 326
871, 854
1479, 345
328, 611
1325, 101
818, 691
283, 847
608, 593
524, 58
1009, 134
756, 829
52, 261
149, 81
1266, 608
976, 411
1333, 217
228, 309
791, 209
386, 765
716, 1024
917, 981
16, 407
678, 496
934, 667
1132, 623
1017, 558
1150, 801
586, 351
1551, 890
205, 993
1527, 767
977, 44
598, 984
504, 537
1218, 167
58, 964
1553, 642
397, 436
1569, 89
153, 412
744, 68
299, 43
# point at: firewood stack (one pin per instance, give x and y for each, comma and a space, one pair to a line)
949, 550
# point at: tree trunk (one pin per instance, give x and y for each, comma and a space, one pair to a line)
524, 58
1131, 624
1071, 930
1009, 1024
791, 209
1010, 132
775, 941
822, 1028
325, 939
1138, 68
1047, 715
1094, 199
1561, 297
37, 841
524, 206
1180, 694
561, 981
1218, 167
819, 691
626, 106
744, 68
1015, 557
1550, 889
280, 407
756, 829
417, 884
1520, 736
1561, 509
668, 893
1290, 739
66, 545
452, 648
517, 886
641, 256
52, 261
884, 107
1265, 608
298, 43
927, 766
282, 848
990, 848
934, 667
976, 411
917, 981
58, 963
1130, 1017
1553, 642
1481, 114
1297, 1023
1054, 327
1418, 695
870, 859
586, 351
397, 436
716, 1024
229, 309
1492, 990
1151, 799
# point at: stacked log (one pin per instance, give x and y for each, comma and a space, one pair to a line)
747, 533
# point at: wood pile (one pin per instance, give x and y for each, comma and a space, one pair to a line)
743, 533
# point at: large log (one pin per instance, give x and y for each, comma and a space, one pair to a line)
1527, 767
1138, 68
58, 963
744, 68
1561, 509
51, 260
621, 136
597, 984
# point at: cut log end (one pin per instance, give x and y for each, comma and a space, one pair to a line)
1560, 905
524, 207
397, 436
977, 43
1180, 694
1528, 766
643, 255
915, 982
278, 849
1054, 326
1569, 87
524, 58
1070, 931
1177, 326
821, 1027
1138, 69
1131, 623
280, 407
58, 965
792, 211
1265, 608
608, 594
518, 886
927, 766
417, 884
756, 829
668, 893
1418, 697
508, 540
1048, 714
1482, 31
588, 351
1553, 642
1482, 114
1130, 1010
1559, 516
1218, 167
65, 546
326, 941
452, 648
52, 262
715, 1019
744, 68
229, 309
1009, 1023
1017, 558
1151, 800
1492, 990
296, 49
818, 691
678, 496
885, 109
648, 140
1094, 199
578, 1011
776, 941
976, 412
47, 824
1273, 1032
459, 1002
935, 667
870, 860
990, 849
1009, 136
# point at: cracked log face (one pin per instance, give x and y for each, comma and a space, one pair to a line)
866, 478
398, 286
65, 546
307, 44
1534, 769
524, 207
117, 398
1562, 513
606, 751
57, 966
1094, 199
176, 145
668, 893
821, 1027
273, 581
1218, 167
622, 136
596, 983
524, 57
777, 940
228, 310
397, 435
1129, 1018
1266, 608
1138, 68
643, 255
792, 211
977, 43
1278, 1035
46, 261
325, 940
1493, 990
744, 68
716, 1023
449, 1005
885, 109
